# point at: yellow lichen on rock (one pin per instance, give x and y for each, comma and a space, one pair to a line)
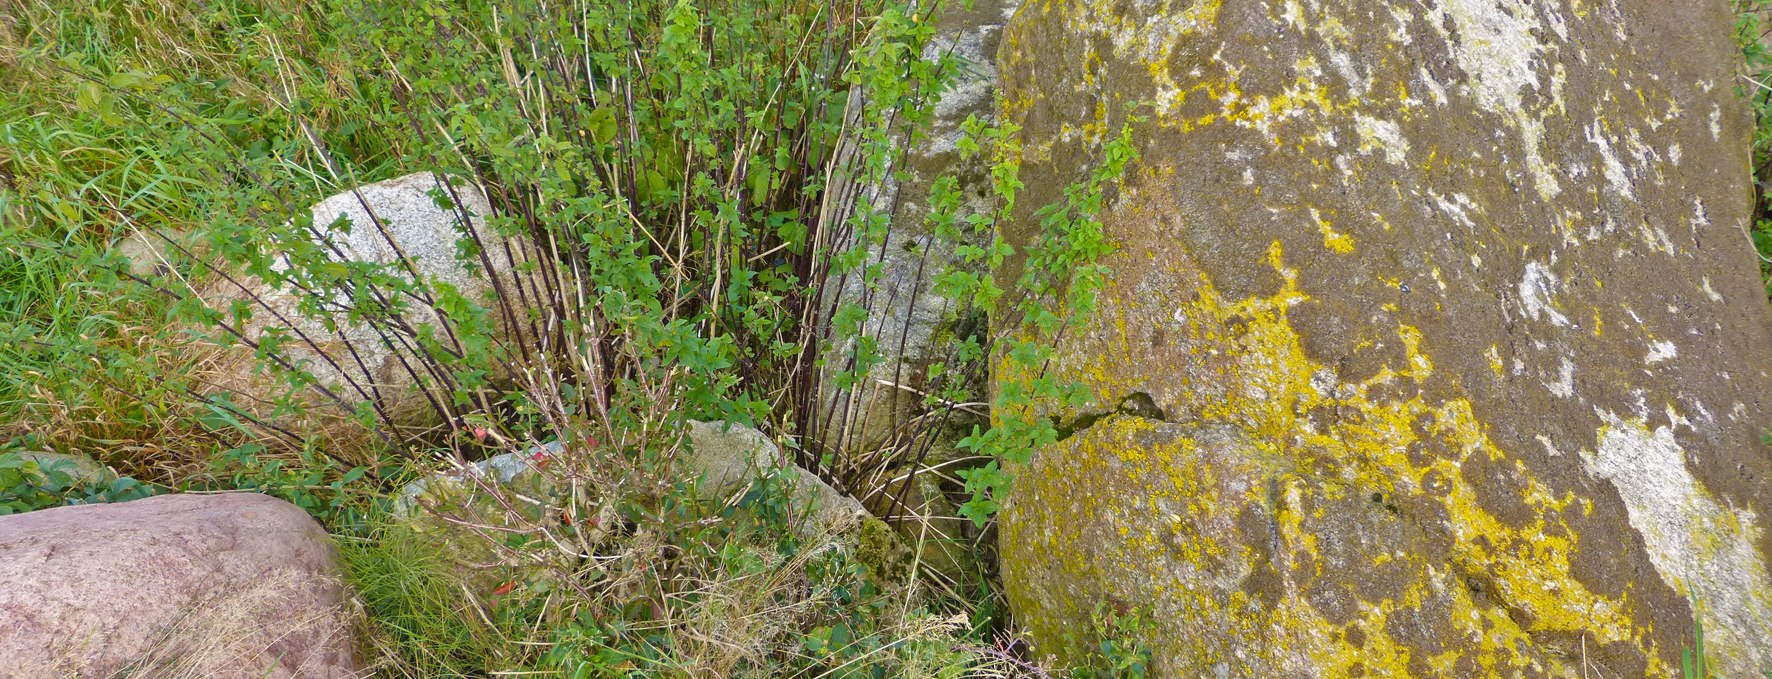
1167, 538
1427, 300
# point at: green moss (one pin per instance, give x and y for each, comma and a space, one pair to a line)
887, 557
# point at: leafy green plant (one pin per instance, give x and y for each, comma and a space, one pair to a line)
1751, 32
29, 483
1058, 281
682, 194
315, 483
25, 485
1115, 647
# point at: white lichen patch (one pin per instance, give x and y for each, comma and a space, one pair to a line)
1537, 291
1344, 65
1433, 86
1656, 238
1702, 547
1659, 351
1550, 447
1458, 206
1710, 291
1496, 47
1151, 41
1382, 135
1400, 34
1293, 13
1617, 178
1564, 385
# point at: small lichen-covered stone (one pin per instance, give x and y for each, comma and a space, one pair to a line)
420, 221
1455, 344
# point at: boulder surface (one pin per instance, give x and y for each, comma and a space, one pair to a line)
232, 585
378, 223
909, 321
727, 458
1446, 338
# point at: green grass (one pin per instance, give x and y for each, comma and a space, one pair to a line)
89, 155
422, 622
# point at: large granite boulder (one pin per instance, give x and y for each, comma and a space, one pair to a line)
913, 326
1443, 336
232, 585
423, 217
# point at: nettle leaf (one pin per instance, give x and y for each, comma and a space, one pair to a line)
601, 125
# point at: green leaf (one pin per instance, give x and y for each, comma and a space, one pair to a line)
601, 125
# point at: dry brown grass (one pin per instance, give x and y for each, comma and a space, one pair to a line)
158, 440
234, 634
